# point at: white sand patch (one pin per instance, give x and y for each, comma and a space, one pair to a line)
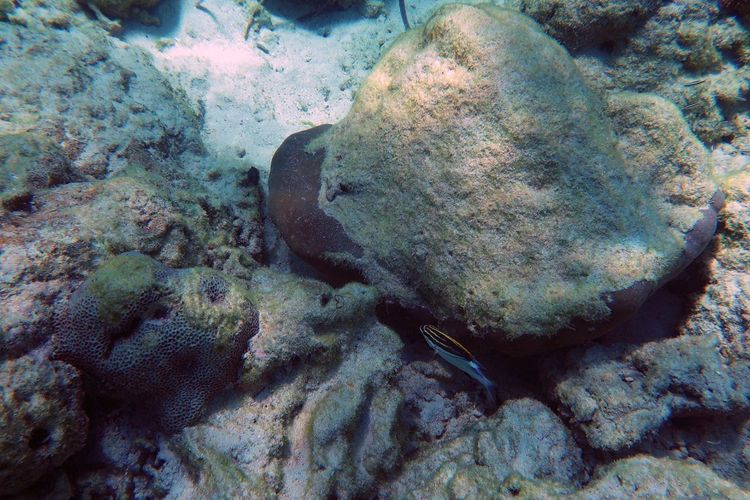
256, 92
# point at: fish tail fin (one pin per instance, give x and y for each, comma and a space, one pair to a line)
490, 387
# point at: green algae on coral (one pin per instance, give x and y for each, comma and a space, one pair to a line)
121, 282
229, 300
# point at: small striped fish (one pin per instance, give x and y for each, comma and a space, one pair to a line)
456, 354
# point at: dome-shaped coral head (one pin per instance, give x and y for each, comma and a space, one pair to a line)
477, 175
163, 338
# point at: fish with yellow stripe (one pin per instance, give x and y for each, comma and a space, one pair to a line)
456, 354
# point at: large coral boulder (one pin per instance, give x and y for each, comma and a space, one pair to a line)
478, 176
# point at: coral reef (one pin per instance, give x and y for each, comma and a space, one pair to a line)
611, 155
29, 161
99, 108
46, 251
42, 422
506, 207
524, 439
158, 336
576, 23
701, 371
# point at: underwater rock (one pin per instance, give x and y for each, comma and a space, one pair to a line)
29, 160
522, 440
318, 414
73, 226
42, 421
621, 393
579, 23
645, 476
476, 174
160, 337
101, 98
182, 224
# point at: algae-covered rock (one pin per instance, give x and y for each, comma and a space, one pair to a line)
42, 422
645, 476
524, 441
28, 161
578, 23
661, 151
621, 393
318, 415
161, 337
476, 174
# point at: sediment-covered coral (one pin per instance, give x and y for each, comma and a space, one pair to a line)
478, 175
162, 337
42, 421
580, 22
623, 392
523, 440
29, 160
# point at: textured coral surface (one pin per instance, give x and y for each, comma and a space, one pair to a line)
169, 338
